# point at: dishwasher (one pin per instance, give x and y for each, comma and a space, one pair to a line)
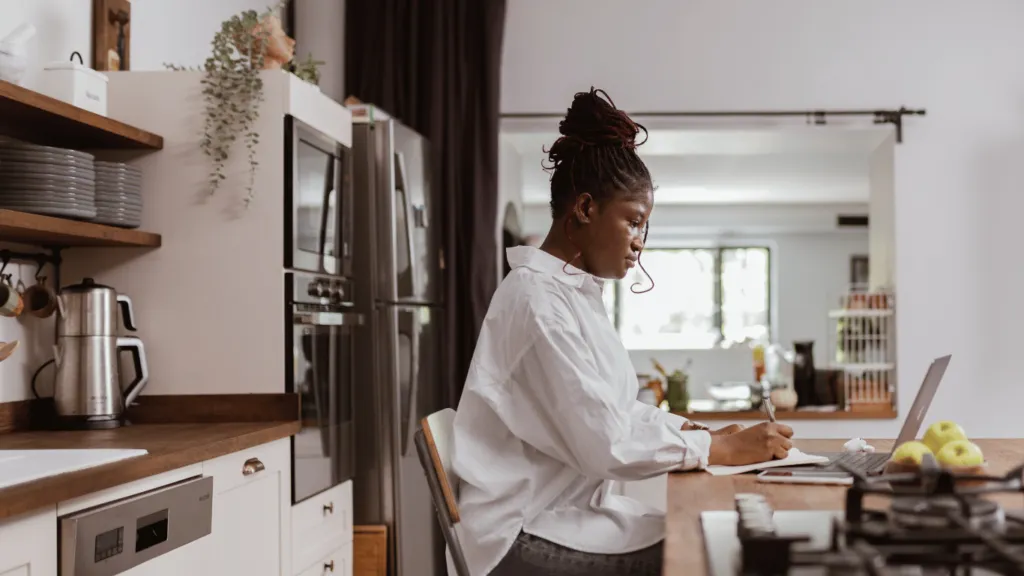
114, 537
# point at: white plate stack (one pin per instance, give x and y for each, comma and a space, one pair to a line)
118, 194
47, 180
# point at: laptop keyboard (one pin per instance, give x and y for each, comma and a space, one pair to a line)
860, 461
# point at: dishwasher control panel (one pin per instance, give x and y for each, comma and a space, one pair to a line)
120, 535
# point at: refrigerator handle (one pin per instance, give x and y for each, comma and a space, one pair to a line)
409, 418
402, 183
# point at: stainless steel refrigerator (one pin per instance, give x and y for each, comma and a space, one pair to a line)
397, 270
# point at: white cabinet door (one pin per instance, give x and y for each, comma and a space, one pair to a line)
28, 544
247, 529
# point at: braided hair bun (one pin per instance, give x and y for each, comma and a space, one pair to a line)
596, 153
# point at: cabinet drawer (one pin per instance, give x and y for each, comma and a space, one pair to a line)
337, 563
233, 470
321, 524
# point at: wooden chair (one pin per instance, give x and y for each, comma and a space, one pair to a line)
434, 446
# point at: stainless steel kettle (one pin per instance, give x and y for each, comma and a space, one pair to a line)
87, 388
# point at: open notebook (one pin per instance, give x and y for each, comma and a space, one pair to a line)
795, 458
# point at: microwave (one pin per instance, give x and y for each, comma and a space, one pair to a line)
318, 201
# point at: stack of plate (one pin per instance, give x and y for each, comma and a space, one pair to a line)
118, 194
46, 180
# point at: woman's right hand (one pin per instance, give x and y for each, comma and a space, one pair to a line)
760, 443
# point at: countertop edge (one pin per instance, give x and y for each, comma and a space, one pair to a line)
50, 491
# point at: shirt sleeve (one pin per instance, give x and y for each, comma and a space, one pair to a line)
653, 413
560, 405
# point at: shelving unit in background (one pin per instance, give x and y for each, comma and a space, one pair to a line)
39, 119
863, 346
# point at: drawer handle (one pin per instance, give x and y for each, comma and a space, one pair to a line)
329, 566
252, 466
329, 508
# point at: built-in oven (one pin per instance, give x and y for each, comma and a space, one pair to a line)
318, 201
321, 330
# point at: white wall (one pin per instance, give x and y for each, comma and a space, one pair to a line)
957, 174
320, 30
178, 31
163, 31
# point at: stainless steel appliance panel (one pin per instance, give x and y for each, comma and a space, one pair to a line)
390, 485
392, 167
318, 193
321, 342
115, 537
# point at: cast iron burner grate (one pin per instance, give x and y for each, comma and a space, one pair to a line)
933, 521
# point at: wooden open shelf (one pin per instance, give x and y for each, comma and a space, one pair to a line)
888, 414
34, 117
25, 228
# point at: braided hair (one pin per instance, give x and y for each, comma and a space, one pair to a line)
596, 153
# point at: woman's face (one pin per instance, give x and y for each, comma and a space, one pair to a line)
611, 233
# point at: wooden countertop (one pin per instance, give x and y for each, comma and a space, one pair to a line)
691, 493
170, 446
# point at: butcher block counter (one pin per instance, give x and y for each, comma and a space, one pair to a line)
175, 432
691, 493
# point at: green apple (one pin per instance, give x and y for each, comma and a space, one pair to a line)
910, 453
940, 433
960, 453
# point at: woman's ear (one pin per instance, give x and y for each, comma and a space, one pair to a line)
584, 208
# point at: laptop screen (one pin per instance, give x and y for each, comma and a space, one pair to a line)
912, 425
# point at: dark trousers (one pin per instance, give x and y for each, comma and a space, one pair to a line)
533, 556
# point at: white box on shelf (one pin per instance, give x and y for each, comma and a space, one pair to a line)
75, 84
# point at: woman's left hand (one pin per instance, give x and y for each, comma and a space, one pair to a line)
730, 429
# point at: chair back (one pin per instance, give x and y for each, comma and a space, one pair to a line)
434, 447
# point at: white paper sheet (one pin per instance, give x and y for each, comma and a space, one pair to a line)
795, 458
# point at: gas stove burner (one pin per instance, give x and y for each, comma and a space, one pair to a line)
936, 512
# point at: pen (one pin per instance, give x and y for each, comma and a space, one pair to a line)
769, 408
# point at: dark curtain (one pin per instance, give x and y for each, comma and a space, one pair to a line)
437, 67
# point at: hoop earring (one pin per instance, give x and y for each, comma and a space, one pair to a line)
578, 252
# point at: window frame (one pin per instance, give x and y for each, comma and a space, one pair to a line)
718, 250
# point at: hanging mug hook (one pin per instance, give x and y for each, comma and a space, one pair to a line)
40, 262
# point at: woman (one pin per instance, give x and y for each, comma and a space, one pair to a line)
549, 419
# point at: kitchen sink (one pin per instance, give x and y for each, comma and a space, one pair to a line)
20, 466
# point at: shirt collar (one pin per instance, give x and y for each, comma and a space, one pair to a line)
540, 261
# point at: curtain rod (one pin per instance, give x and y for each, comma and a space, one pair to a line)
816, 117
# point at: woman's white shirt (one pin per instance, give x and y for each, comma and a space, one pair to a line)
549, 422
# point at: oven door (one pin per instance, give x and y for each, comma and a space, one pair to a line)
318, 193
323, 452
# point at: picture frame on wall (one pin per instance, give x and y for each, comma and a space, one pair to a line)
111, 34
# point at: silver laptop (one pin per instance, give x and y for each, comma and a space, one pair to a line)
873, 462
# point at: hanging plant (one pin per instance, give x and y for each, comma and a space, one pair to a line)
233, 89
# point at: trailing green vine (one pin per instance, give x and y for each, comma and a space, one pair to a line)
233, 90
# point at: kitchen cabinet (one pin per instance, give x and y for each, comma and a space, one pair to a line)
246, 532
337, 563
28, 544
322, 526
250, 531
250, 490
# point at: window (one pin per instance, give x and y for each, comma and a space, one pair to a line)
702, 297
